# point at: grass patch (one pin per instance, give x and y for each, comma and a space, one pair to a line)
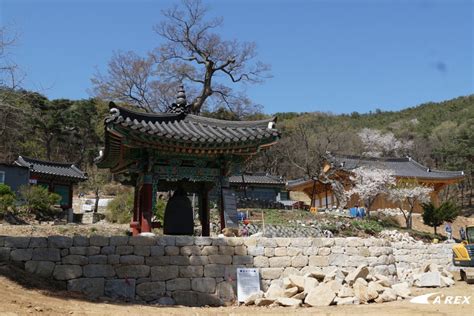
368, 226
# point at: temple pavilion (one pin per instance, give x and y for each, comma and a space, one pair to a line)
405, 168
180, 152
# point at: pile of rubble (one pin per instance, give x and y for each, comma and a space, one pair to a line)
333, 287
430, 275
395, 235
390, 212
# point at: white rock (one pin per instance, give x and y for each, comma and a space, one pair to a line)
275, 291
360, 272
251, 299
309, 284
446, 281
289, 292
429, 279
263, 301
335, 285
322, 295
297, 281
346, 300
345, 291
361, 292
299, 296
375, 286
402, 289
387, 296
285, 301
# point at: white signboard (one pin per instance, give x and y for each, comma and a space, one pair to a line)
248, 282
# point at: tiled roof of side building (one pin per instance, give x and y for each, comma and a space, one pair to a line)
67, 170
256, 179
401, 167
190, 128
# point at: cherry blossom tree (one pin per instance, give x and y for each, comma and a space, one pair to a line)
408, 194
378, 144
369, 183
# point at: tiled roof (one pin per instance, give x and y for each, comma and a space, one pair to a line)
66, 170
256, 179
182, 132
401, 167
192, 128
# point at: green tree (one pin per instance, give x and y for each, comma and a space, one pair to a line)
435, 216
39, 201
7, 199
50, 122
119, 210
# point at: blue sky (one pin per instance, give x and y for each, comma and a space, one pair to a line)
330, 56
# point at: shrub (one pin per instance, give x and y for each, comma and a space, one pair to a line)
39, 201
435, 216
7, 199
114, 189
368, 226
159, 210
120, 209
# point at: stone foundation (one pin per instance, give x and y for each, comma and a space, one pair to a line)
195, 271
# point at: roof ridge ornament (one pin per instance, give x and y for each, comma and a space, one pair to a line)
181, 104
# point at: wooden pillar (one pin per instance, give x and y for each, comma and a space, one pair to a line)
71, 192
146, 204
134, 224
326, 193
204, 210
313, 192
223, 183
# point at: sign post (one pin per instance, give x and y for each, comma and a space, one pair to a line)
248, 282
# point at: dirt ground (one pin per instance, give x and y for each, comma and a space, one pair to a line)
21, 295
48, 229
461, 221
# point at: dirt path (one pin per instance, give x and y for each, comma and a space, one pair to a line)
18, 300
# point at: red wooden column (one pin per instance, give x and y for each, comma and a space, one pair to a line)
204, 205
135, 224
146, 204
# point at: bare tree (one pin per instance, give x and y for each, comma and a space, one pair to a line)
9, 72
407, 194
307, 149
12, 112
193, 53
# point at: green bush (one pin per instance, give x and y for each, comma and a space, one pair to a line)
389, 222
435, 216
7, 199
159, 210
120, 209
39, 201
368, 226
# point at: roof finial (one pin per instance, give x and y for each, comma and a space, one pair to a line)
181, 96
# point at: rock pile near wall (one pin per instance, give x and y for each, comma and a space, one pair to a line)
191, 271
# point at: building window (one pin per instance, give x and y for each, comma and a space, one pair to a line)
2, 176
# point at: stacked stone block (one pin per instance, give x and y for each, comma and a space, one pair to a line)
191, 271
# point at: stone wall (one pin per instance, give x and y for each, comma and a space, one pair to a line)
190, 270
414, 255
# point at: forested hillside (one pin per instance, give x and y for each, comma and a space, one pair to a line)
439, 135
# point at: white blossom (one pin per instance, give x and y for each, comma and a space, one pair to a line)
368, 183
418, 193
377, 144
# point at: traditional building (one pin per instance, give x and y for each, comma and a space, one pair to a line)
402, 169
57, 177
259, 186
178, 151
